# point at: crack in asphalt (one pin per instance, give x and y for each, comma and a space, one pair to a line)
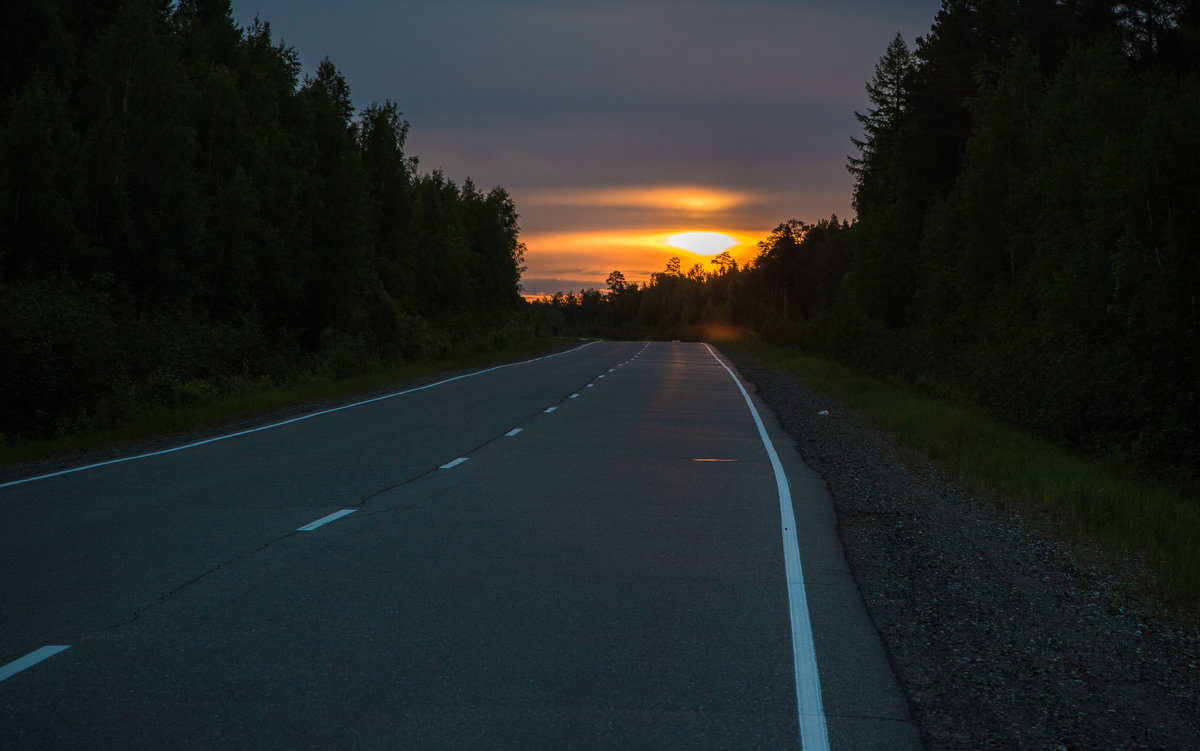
360, 504
163, 598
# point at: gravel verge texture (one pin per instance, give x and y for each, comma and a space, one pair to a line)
1001, 637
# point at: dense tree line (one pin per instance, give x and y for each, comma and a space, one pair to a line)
795, 279
1028, 215
1027, 197
180, 210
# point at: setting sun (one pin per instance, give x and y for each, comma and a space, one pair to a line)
702, 243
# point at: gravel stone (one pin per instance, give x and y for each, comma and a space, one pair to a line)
1000, 637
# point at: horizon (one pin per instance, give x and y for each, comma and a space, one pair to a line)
615, 126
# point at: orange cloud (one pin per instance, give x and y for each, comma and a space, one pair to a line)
687, 199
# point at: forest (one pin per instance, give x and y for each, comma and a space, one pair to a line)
1027, 200
181, 212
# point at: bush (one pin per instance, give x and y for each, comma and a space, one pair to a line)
61, 357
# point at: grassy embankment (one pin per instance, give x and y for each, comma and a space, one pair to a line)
251, 400
1083, 501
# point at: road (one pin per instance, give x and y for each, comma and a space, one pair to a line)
588, 550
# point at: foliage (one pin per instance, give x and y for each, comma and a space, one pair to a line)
180, 211
1048, 272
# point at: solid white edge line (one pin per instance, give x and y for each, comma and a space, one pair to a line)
453, 464
29, 660
814, 735
513, 432
280, 424
326, 519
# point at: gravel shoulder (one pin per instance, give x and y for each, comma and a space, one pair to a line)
1000, 637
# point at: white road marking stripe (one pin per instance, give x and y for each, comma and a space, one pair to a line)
513, 432
453, 464
591, 385
548, 410
326, 519
29, 660
280, 424
814, 735
573, 396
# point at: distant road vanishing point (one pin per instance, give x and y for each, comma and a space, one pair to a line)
611, 547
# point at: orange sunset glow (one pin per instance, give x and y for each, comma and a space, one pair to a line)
635, 230
637, 254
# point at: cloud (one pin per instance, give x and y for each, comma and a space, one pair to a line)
604, 117
662, 208
548, 286
684, 199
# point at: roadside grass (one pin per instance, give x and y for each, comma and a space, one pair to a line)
249, 400
1083, 501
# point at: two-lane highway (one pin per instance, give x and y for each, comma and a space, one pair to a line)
585, 550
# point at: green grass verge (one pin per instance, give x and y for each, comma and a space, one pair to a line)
250, 400
1083, 500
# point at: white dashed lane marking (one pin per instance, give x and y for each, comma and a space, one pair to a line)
325, 520
29, 660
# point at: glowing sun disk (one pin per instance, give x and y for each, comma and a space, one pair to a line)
702, 243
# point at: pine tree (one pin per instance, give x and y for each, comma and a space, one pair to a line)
887, 91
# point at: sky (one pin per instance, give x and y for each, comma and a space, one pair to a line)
617, 125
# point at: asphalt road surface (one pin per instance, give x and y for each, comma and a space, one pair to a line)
588, 550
